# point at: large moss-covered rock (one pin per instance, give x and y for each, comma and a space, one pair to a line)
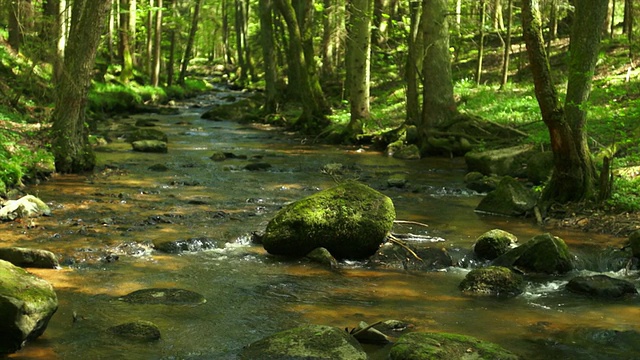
151, 146
444, 346
544, 253
510, 198
601, 286
508, 161
493, 243
27, 303
146, 134
350, 220
309, 342
25, 257
492, 281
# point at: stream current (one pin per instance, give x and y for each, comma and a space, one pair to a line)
104, 223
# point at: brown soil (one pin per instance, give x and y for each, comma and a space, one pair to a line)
595, 220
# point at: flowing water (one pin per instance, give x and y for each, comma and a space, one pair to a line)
104, 223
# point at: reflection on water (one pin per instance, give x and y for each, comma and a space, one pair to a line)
104, 224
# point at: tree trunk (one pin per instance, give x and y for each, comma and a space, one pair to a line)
573, 177
149, 48
173, 34
507, 46
241, 41
413, 66
269, 55
190, 41
314, 108
69, 134
480, 41
157, 46
496, 11
359, 62
125, 49
438, 104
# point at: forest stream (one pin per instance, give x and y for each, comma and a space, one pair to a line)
103, 226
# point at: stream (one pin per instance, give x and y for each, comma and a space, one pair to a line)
104, 224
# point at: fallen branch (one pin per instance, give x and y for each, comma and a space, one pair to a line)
409, 222
399, 242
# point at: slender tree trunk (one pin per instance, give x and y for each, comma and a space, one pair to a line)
173, 34
413, 65
497, 19
507, 46
149, 48
438, 104
269, 54
190, 41
125, 49
481, 22
157, 46
69, 133
359, 62
225, 32
573, 177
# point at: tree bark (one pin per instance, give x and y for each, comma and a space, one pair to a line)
69, 134
481, 21
124, 33
413, 66
359, 62
507, 46
157, 46
269, 55
190, 41
573, 178
438, 104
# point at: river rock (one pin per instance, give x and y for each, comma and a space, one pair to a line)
25, 257
257, 166
313, 342
150, 146
27, 303
178, 246
494, 243
476, 181
350, 220
601, 286
544, 253
634, 243
25, 207
492, 281
166, 296
445, 346
392, 255
322, 256
139, 330
407, 152
539, 167
503, 162
146, 134
510, 198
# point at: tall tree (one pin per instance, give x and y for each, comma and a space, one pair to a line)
438, 104
125, 36
69, 134
359, 62
574, 175
507, 45
413, 65
269, 57
190, 40
157, 44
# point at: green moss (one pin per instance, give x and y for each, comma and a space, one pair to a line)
492, 280
445, 346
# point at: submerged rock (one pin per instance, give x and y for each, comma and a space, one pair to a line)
312, 342
137, 330
27, 303
601, 286
25, 257
350, 220
494, 243
544, 253
178, 246
492, 281
25, 207
166, 296
445, 346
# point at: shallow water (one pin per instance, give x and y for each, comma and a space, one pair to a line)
104, 223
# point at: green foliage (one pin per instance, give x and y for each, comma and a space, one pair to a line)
626, 194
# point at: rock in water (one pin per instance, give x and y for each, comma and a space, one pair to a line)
350, 220
25, 207
166, 296
444, 346
27, 303
317, 342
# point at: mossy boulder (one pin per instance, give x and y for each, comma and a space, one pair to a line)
25, 257
350, 220
492, 281
138, 330
308, 342
476, 181
539, 167
601, 286
25, 207
27, 303
146, 134
544, 253
634, 243
445, 346
493, 243
510, 198
150, 146
507, 161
